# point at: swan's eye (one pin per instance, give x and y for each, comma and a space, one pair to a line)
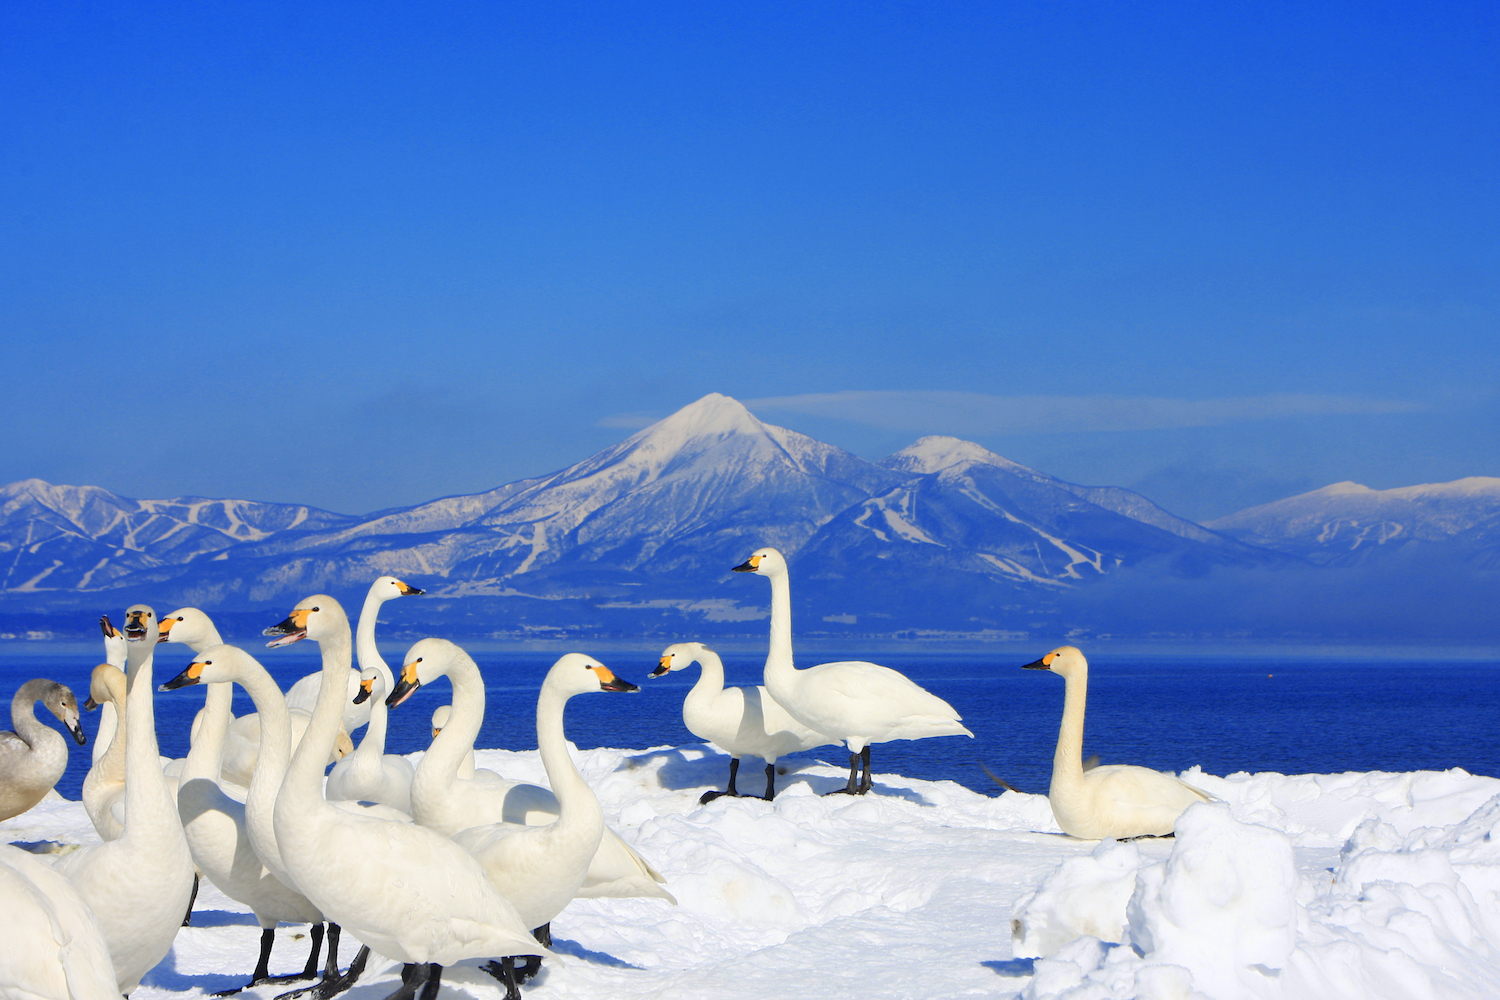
317, 609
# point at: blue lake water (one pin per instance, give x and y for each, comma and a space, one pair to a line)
1226, 713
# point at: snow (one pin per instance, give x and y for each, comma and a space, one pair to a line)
1347, 885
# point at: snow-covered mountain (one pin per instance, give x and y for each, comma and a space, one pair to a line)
1347, 523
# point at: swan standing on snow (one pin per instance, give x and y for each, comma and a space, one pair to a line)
540, 869
740, 720
369, 773
138, 885
446, 803
248, 868
857, 702
54, 949
1113, 800
408, 892
33, 756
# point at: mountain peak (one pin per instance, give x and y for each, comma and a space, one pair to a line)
714, 415
936, 453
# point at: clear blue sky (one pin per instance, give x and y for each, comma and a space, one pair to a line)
362, 255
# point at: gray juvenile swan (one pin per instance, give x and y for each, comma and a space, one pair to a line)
34, 756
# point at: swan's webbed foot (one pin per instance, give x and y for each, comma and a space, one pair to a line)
1150, 836
187, 918
853, 788
332, 984
709, 796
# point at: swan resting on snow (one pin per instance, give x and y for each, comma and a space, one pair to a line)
853, 701
740, 721
33, 756
54, 947
1112, 800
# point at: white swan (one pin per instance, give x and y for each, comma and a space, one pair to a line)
369, 773
54, 949
243, 859
1113, 800
114, 655
857, 702
138, 885
541, 868
104, 785
448, 804
406, 891
740, 721
33, 756
440, 717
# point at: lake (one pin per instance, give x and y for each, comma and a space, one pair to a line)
1224, 713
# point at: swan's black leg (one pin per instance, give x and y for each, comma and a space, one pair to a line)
334, 984
543, 935
505, 971
187, 918
412, 976
259, 976
331, 966
434, 981
853, 787
770, 782
865, 783
309, 972
734, 768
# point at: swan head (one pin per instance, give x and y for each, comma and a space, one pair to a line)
440, 717
140, 624
371, 685
1066, 661
763, 562
214, 665
677, 656
106, 683
61, 702
389, 588
318, 618
187, 625
114, 642
425, 662
575, 673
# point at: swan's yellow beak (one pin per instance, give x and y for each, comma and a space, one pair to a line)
662, 667
749, 565
1045, 663
609, 682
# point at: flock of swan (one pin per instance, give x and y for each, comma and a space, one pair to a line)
427, 865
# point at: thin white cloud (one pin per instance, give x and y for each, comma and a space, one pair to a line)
628, 421
977, 413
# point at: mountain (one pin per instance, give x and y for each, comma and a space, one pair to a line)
638, 540
1347, 523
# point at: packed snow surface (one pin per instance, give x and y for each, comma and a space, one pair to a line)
1319, 886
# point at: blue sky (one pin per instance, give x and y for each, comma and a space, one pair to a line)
365, 255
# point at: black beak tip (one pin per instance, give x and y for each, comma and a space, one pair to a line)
362, 697
658, 672
744, 567
79, 735
1035, 665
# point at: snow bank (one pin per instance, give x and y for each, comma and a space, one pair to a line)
1317, 886
1408, 910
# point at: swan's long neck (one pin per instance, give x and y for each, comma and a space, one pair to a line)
577, 802
207, 754
208, 640
781, 673
109, 741
710, 679
373, 744
303, 782
456, 740
147, 797
270, 764
1067, 763
23, 712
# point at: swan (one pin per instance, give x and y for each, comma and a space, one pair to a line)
857, 702
54, 947
138, 885
738, 720
245, 862
114, 655
369, 773
406, 891
33, 756
448, 804
440, 717
539, 869
1112, 800
104, 785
